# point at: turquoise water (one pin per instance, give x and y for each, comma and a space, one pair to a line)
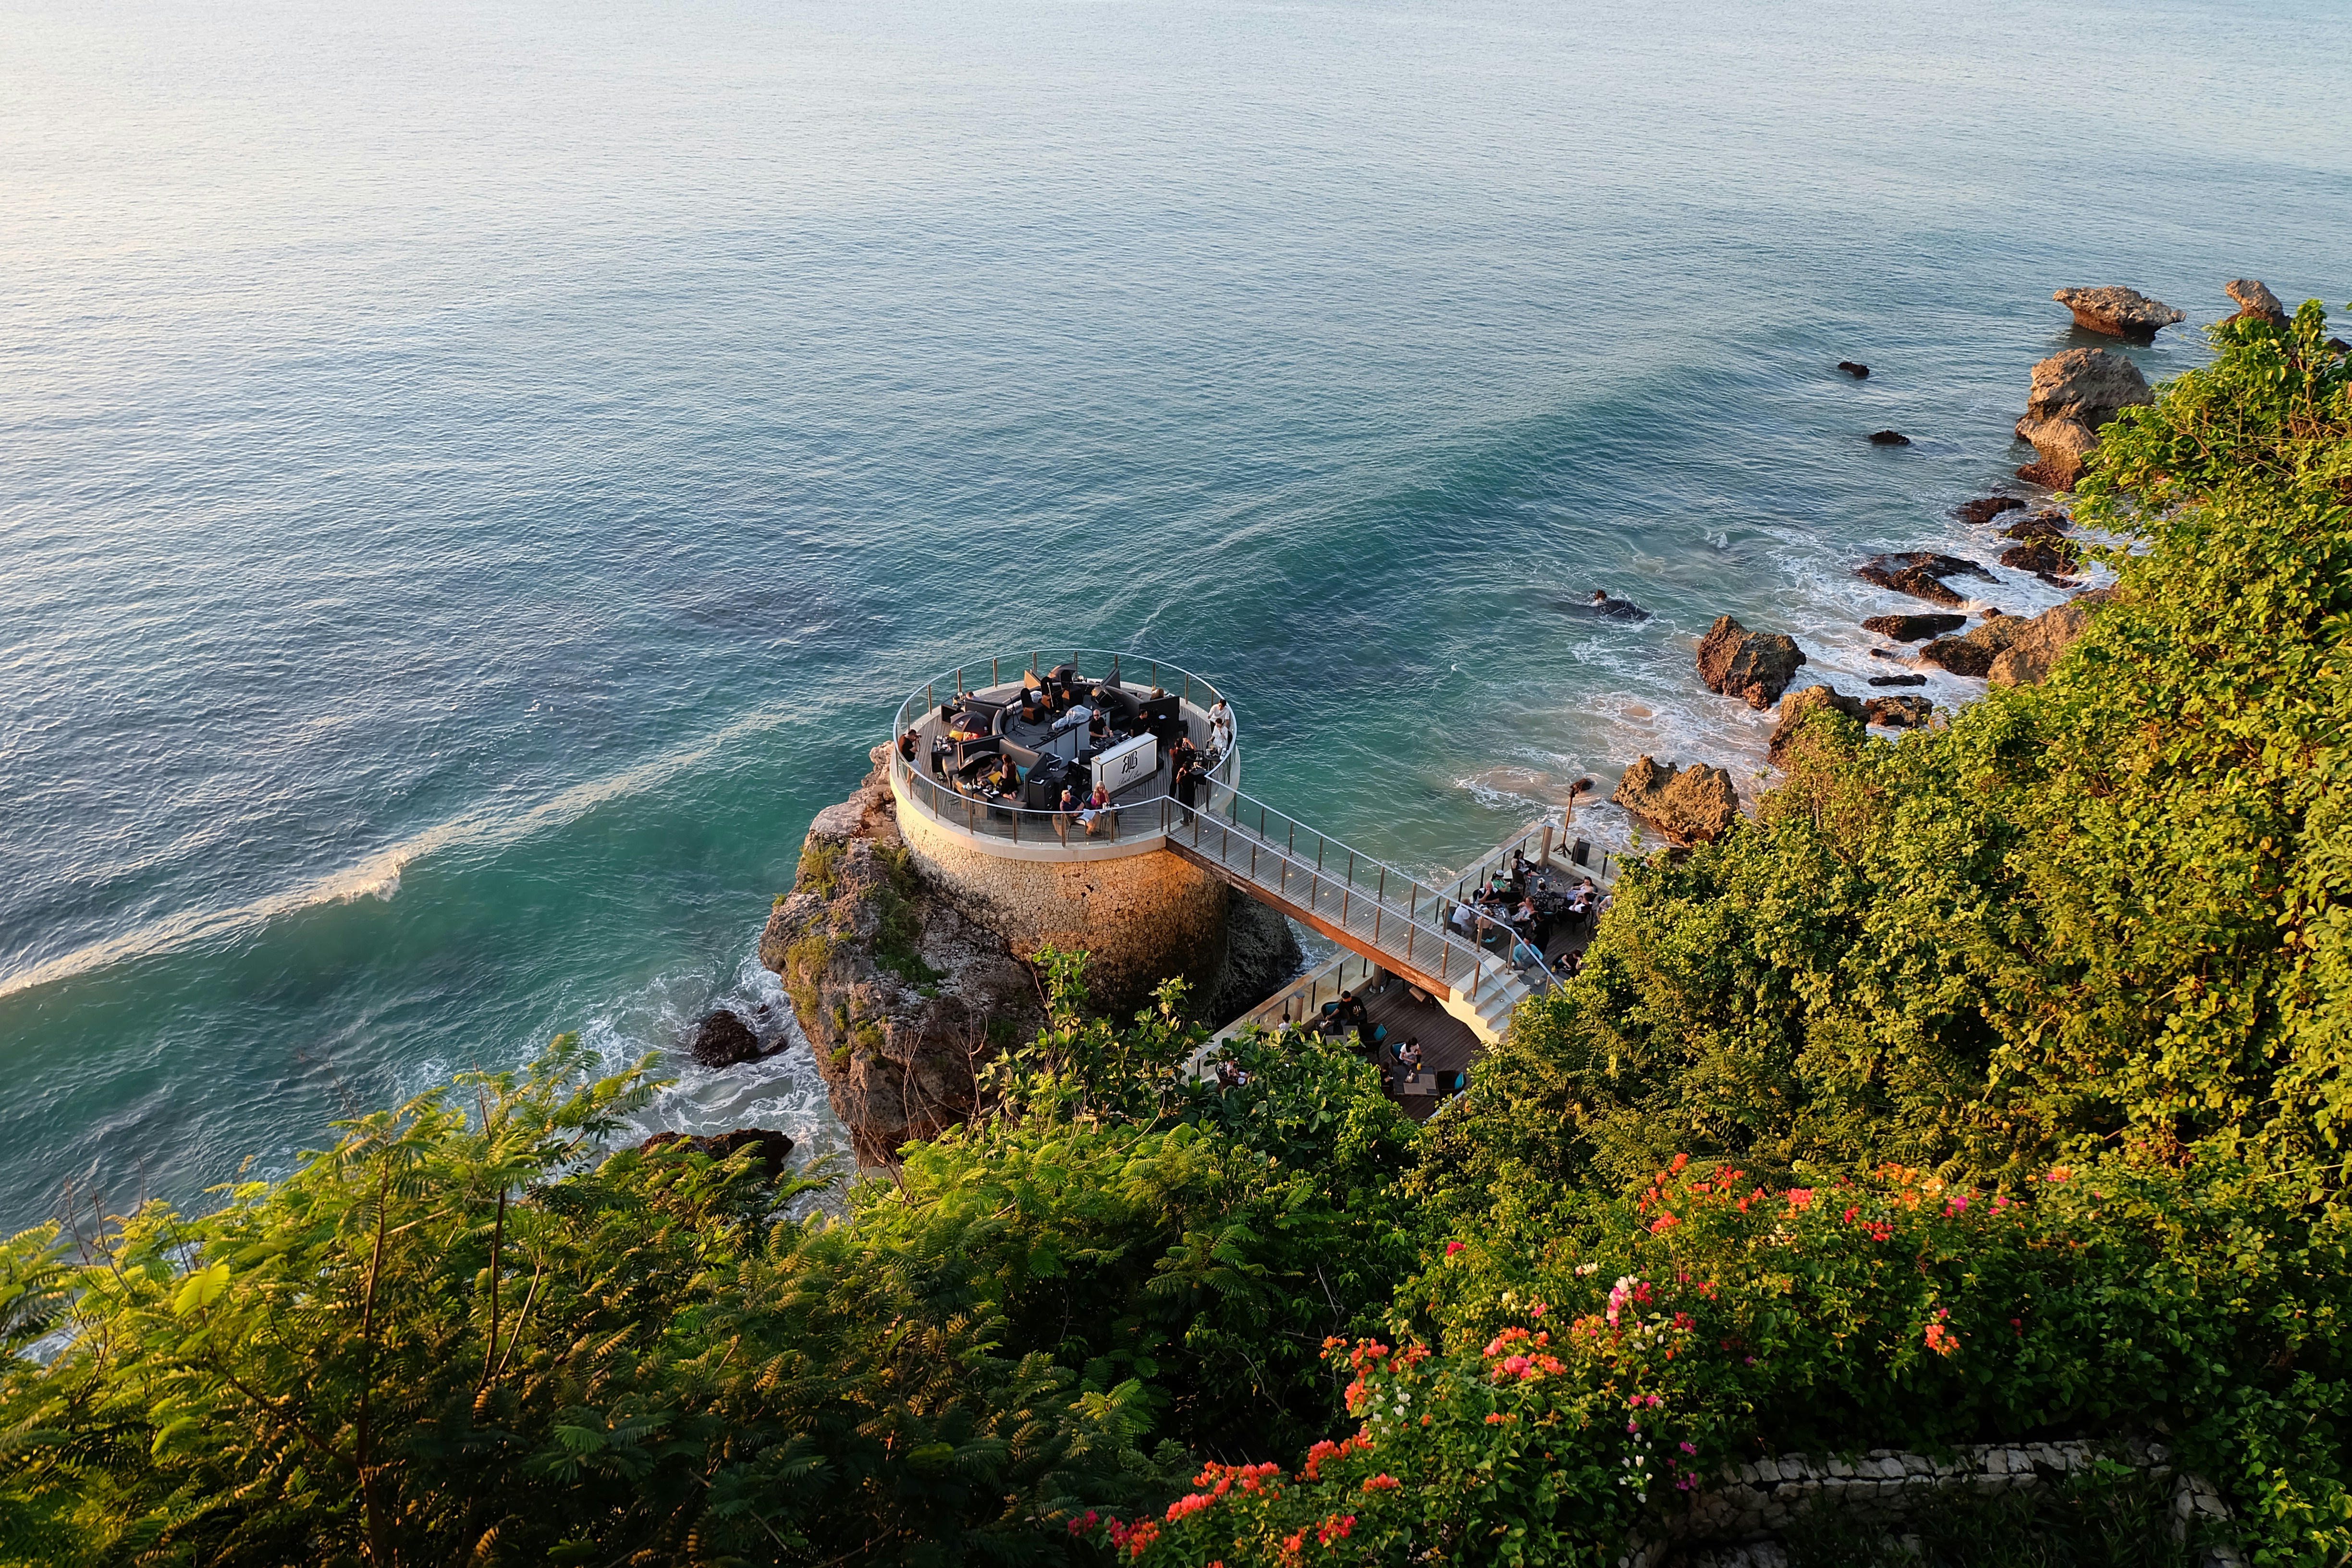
473, 485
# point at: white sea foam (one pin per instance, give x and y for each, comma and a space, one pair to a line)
379, 875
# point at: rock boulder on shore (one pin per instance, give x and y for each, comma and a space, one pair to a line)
2119, 312
1796, 705
1913, 628
2043, 557
903, 997
1689, 806
1920, 573
1974, 512
723, 1038
1899, 712
2255, 301
1755, 666
2043, 640
1973, 653
2073, 394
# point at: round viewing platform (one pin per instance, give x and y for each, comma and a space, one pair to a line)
1070, 755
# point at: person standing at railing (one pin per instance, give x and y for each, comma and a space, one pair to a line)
1221, 729
1189, 779
1062, 813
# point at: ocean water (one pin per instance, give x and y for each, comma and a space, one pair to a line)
475, 481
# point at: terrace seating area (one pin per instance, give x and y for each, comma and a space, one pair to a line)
1064, 749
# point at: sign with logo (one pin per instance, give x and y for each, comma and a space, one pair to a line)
1127, 764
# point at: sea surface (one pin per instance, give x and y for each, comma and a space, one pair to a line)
475, 481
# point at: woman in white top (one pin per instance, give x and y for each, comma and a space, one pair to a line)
1220, 728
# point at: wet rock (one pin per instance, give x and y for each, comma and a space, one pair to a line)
1913, 628
1898, 680
1796, 705
2338, 346
1899, 712
2041, 525
1690, 805
903, 996
2073, 394
1920, 573
1601, 606
1973, 653
2040, 556
1889, 439
2119, 312
2043, 640
1976, 513
1858, 371
2255, 301
723, 1038
775, 1149
1755, 666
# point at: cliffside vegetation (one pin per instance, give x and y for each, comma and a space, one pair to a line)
1989, 1084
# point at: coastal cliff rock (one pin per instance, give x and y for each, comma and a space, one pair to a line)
2073, 394
2119, 312
901, 996
2255, 301
775, 1148
1755, 666
1796, 705
1920, 573
2043, 640
1689, 806
1261, 952
1913, 628
1973, 653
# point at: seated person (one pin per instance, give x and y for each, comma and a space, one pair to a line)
1098, 728
907, 746
1409, 1057
1097, 812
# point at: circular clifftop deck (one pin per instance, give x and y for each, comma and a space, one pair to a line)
984, 751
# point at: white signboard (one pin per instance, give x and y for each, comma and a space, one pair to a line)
1127, 763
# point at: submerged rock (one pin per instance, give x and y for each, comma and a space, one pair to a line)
1899, 712
902, 995
1973, 653
1690, 805
1858, 371
723, 1038
775, 1149
1755, 666
2073, 394
2043, 640
1975, 512
1601, 606
1889, 439
2119, 312
1913, 628
1796, 705
1919, 574
2255, 301
1898, 680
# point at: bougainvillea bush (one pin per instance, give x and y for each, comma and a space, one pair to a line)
1553, 1392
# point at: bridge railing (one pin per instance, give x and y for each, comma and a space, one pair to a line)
1304, 866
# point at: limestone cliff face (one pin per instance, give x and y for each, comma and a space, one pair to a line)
902, 997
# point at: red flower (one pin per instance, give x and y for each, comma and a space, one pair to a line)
1451, 1247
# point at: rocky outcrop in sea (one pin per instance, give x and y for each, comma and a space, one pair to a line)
1755, 666
2073, 394
1689, 806
2118, 313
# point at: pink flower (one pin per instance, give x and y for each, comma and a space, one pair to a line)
1451, 1247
